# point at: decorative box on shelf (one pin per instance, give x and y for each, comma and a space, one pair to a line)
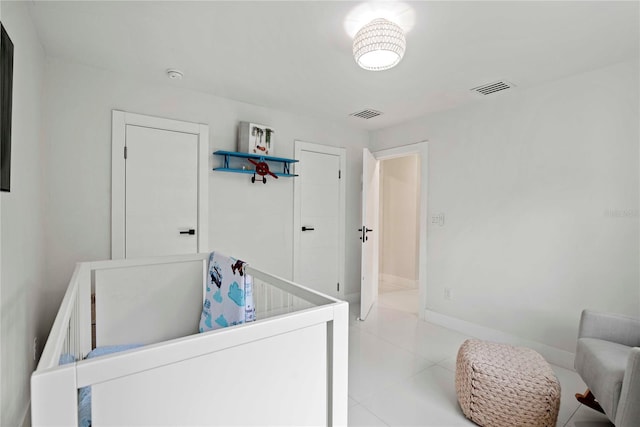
255, 139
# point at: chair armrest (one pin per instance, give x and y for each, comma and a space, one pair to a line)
628, 412
610, 327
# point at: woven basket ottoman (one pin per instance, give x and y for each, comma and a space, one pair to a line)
499, 385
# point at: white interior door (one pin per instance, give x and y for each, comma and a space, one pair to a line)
369, 231
161, 192
318, 236
159, 177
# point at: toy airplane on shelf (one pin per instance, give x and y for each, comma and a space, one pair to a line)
262, 169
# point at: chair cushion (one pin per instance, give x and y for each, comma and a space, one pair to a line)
601, 364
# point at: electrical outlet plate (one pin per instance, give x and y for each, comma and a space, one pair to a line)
438, 219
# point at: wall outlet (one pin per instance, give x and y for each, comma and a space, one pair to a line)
448, 294
35, 348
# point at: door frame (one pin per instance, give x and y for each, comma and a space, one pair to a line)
297, 198
119, 122
420, 149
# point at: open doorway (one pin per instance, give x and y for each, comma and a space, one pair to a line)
370, 256
398, 286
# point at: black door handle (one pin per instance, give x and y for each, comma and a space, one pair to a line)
308, 228
191, 231
364, 231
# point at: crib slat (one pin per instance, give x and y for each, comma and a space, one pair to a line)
83, 320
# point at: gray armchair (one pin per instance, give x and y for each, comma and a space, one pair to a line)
608, 360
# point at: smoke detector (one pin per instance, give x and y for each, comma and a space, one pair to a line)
174, 74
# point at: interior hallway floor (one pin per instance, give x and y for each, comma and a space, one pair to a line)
396, 295
402, 370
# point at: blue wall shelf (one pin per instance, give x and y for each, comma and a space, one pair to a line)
277, 162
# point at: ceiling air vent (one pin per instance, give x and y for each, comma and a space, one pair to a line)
366, 114
494, 87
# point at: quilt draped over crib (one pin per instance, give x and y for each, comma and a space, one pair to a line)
229, 296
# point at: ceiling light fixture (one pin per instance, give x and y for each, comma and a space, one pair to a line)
379, 45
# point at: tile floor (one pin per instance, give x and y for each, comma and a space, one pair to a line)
400, 299
401, 372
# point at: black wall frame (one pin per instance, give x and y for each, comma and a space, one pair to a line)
6, 98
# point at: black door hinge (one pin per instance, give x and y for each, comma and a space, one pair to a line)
125, 152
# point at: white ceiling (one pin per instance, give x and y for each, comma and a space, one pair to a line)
296, 56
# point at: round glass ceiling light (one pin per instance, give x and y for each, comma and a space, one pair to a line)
379, 45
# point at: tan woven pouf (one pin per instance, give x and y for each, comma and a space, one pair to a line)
499, 385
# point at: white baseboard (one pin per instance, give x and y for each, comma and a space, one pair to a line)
553, 355
401, 281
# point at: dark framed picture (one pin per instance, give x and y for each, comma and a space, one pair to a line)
6, 100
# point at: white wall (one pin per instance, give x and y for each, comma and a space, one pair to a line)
22, 240
540, 191
400, 194
251, 221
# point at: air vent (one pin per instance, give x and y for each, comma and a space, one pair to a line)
494, 87
366, 114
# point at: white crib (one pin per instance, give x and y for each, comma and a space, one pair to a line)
287, 368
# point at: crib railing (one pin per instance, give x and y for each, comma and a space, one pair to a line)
271, 301
73, 343
65, 337
55, 386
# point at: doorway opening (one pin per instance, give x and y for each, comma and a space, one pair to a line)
399, 247
370, 255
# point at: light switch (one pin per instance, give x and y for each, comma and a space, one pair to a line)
438, 219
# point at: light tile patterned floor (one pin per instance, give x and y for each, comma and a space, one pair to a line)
401, 373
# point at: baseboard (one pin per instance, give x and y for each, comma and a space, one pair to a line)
553, 355
402, 281
26, 418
